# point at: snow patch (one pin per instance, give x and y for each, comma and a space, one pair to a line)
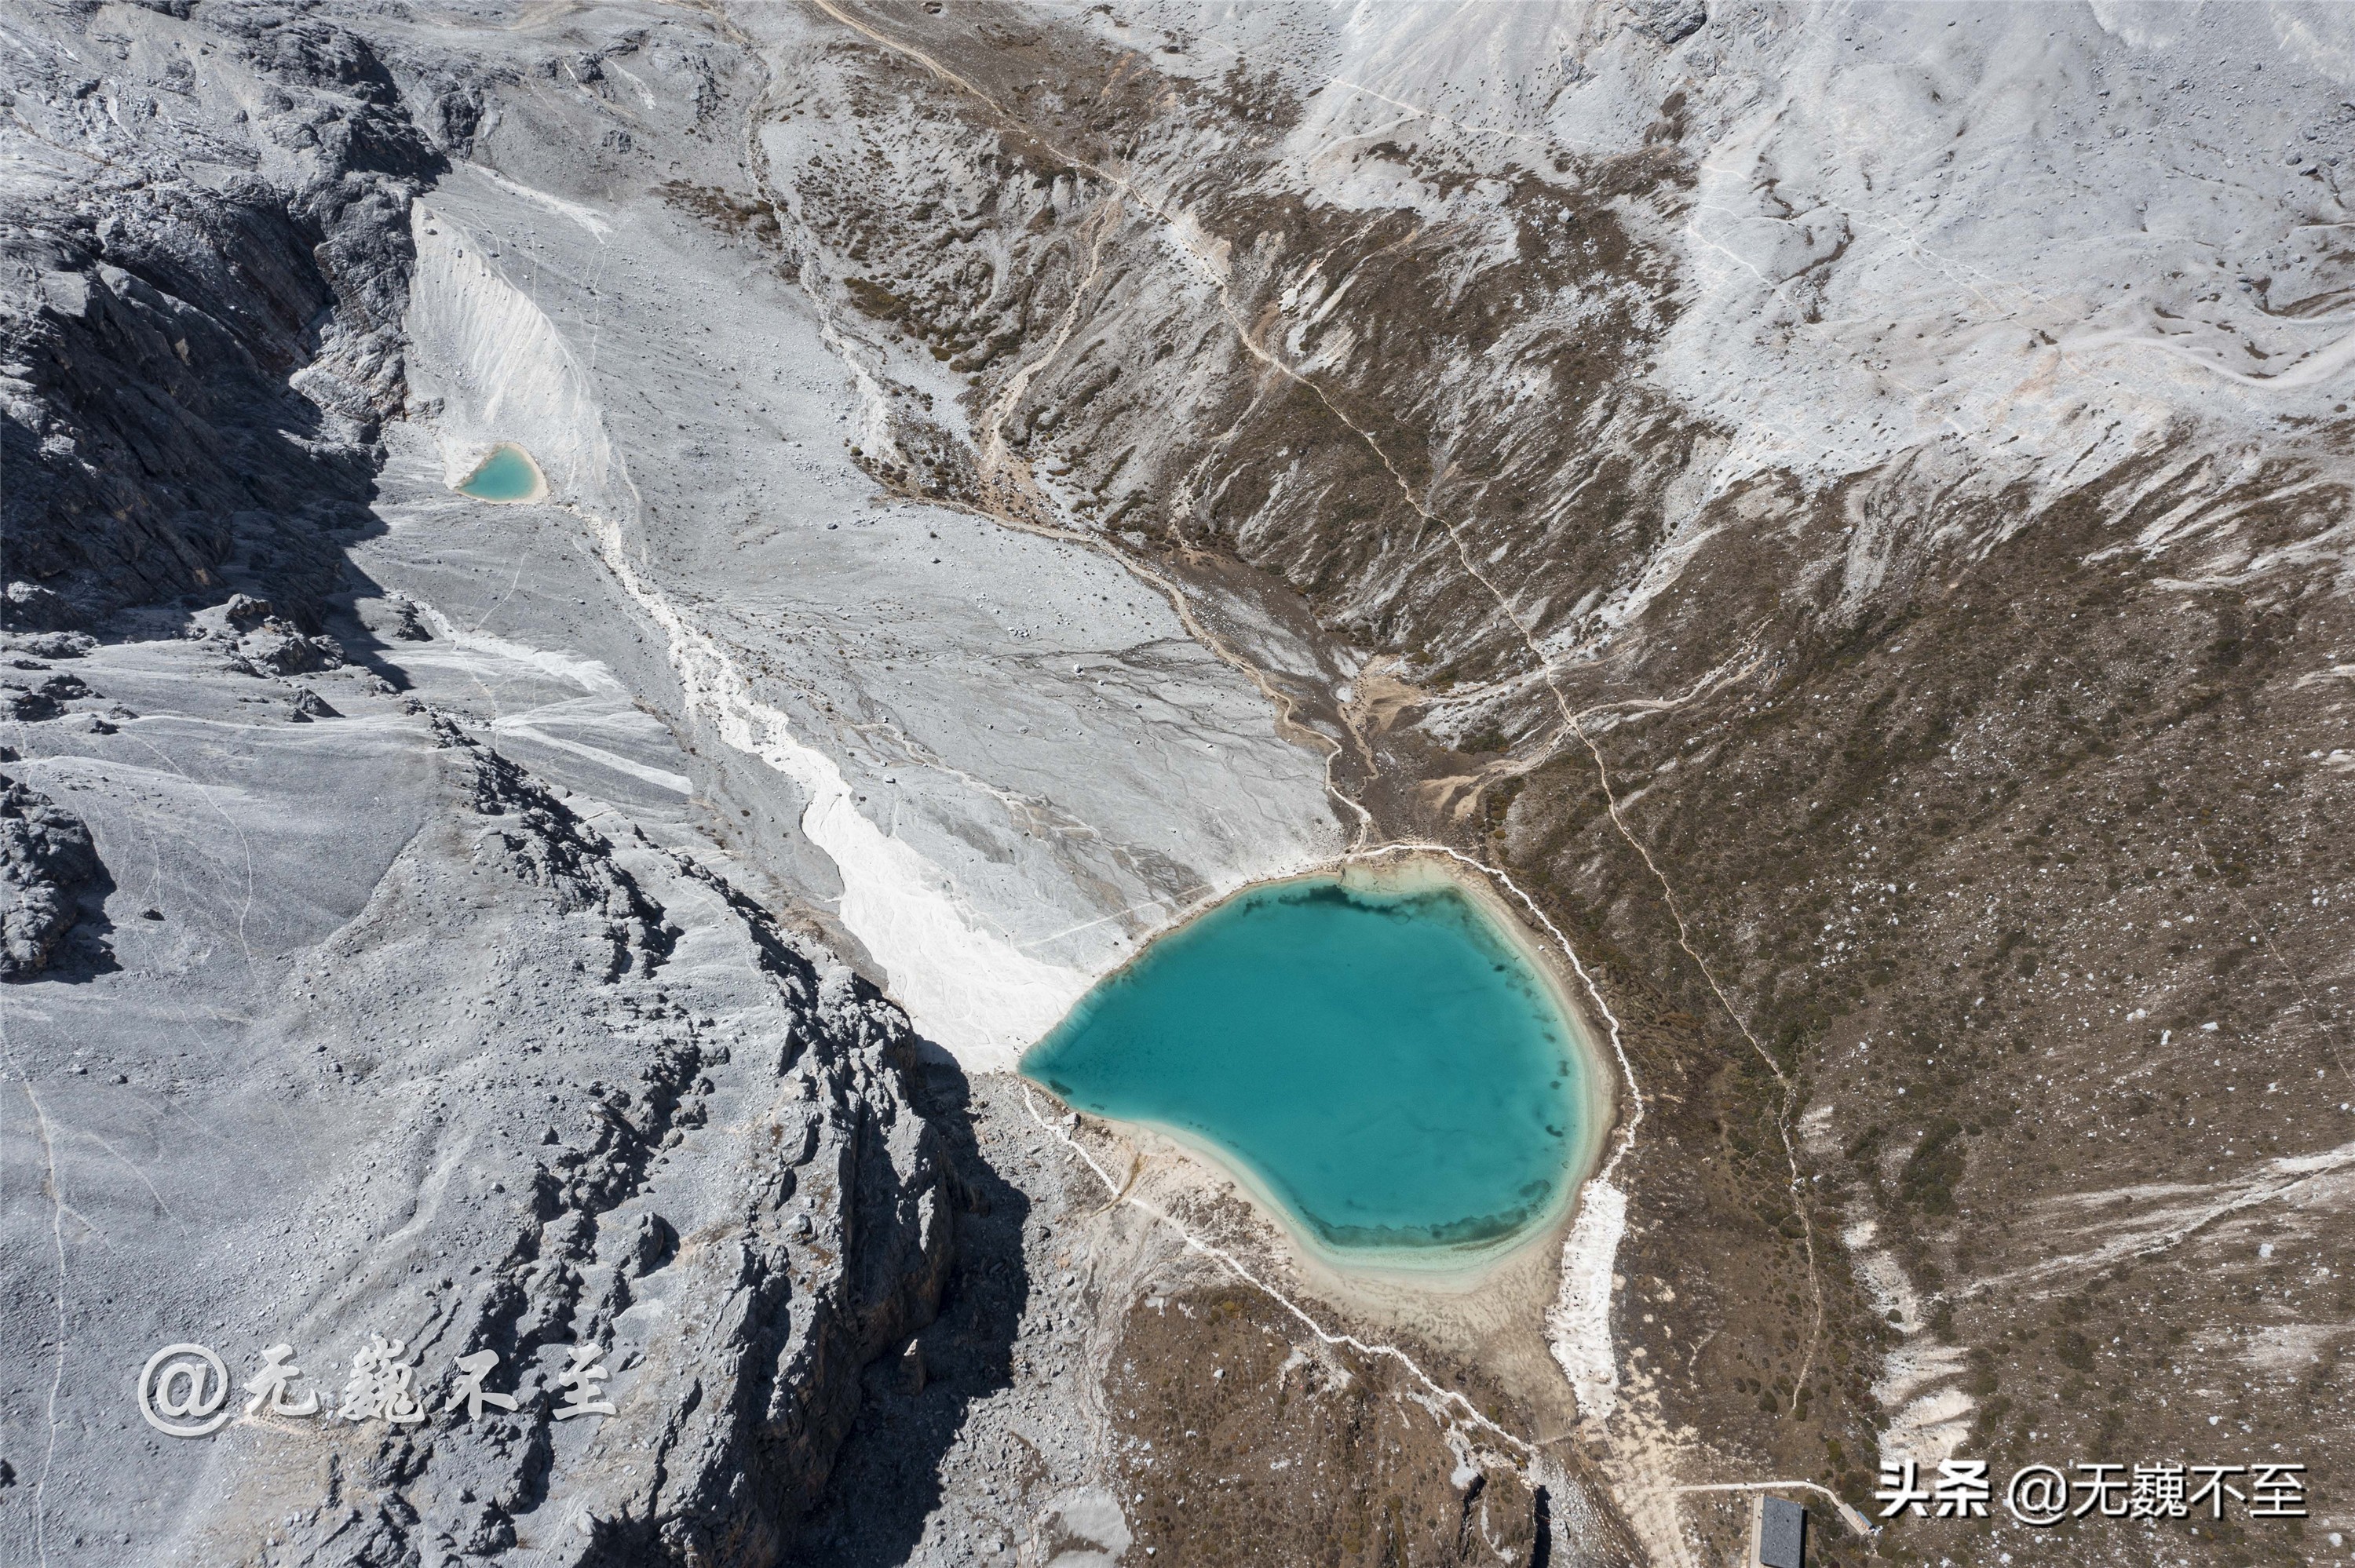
593, 676
1579, 1326
495, 368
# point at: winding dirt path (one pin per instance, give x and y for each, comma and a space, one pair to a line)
1015, 501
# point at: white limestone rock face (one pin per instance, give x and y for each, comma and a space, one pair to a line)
1070, 771
446, 1064
384, 1039
393, 1037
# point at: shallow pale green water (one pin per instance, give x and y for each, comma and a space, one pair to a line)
1385, 1065
507, 474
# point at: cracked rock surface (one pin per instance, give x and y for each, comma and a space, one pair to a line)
47, 861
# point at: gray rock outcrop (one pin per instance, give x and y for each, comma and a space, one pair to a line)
201, 328
468, 1072
799, 1240
46, 859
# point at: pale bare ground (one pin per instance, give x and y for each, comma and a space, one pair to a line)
1491, 1313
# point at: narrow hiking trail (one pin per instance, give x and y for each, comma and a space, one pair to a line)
1187, 237
1013, 498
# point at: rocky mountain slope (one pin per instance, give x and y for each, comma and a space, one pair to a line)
1844, 510
1848, 509
335, 1026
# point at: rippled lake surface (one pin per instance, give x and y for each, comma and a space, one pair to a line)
1385, 1064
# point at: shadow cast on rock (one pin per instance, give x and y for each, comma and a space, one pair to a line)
86, 953
887, 1480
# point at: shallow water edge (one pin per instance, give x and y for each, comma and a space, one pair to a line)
507, 474
1445, 1266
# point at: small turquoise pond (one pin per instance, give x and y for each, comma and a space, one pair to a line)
507, 474
1376, 1057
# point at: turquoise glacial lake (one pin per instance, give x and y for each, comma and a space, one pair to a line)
507, 474
1376, 1057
